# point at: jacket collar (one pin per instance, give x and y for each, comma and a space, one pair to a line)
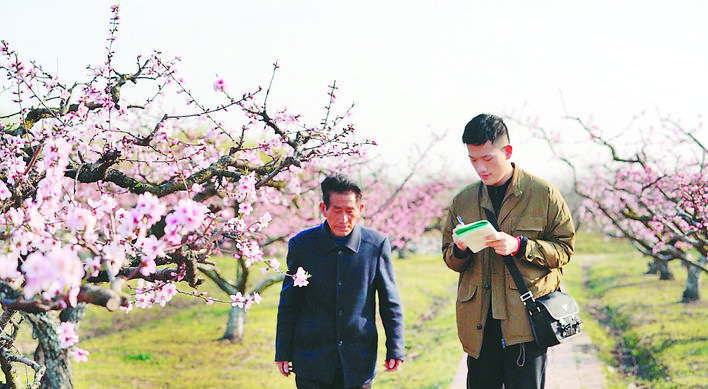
327, 243
519, 180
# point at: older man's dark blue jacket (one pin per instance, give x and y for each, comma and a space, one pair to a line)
334, 316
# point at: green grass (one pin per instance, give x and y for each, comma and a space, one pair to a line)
641, 328
177, 346
625, 312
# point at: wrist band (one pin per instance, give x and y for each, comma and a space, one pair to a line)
518, 245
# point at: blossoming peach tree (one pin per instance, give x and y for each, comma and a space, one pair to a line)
402, 208
648, 184
98, 190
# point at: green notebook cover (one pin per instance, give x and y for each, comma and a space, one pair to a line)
470, 227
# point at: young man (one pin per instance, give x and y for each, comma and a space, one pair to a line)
536, 229
326, 331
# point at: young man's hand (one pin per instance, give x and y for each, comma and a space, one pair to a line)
459, 243
503, 243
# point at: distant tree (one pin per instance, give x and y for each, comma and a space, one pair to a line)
97, 190
647, 183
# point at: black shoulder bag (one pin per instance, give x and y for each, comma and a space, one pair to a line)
554, 317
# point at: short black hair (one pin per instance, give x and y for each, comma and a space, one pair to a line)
338, 184
484, 127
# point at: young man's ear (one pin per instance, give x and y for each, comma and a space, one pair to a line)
507, 151
323, 208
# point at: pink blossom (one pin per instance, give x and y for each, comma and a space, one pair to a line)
15, 216
92, 266
8, 267
149, 206
300, 277
165, 293
152, 247
220, 85
236, 224
104, 204
80, 219
114, 252
145, 300
251, 251
274, 264
189, 214
238, 300
245, 208
246, 188
147, 266
53, 272
265, 220
67, 335
127, 222
4, 191
79, 354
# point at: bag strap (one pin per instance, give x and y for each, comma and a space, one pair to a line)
526, 295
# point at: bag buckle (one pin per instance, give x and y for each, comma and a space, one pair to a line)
526, 296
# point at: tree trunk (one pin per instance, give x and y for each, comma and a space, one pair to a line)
692, 291
48, 353
661, 268
235, 325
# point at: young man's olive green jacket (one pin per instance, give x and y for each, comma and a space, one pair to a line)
532, 208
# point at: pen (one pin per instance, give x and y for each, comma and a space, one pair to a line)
459, 219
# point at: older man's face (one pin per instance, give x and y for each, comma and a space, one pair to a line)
343, 212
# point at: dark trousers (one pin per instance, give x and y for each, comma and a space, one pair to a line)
337, 384
520, 366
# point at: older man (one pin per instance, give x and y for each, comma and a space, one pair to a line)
326, 331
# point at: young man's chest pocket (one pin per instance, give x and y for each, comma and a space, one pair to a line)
529, 226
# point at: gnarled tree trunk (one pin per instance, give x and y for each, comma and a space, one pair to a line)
661, 268
48, 353
59, 373
692, 291
235, 325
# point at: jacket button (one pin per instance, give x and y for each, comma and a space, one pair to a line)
487, 286
340, 342
339, 253
340, 313
339, 283
479, 326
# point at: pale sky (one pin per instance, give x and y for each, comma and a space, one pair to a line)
411, 67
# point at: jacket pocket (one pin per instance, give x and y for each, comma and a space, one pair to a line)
465, 292
535, 277
530, 227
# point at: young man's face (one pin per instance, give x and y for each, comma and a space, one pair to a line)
491, 161
343, 212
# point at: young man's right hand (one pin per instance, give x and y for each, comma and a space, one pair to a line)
459, 243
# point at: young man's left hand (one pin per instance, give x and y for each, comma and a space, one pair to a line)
503, 243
